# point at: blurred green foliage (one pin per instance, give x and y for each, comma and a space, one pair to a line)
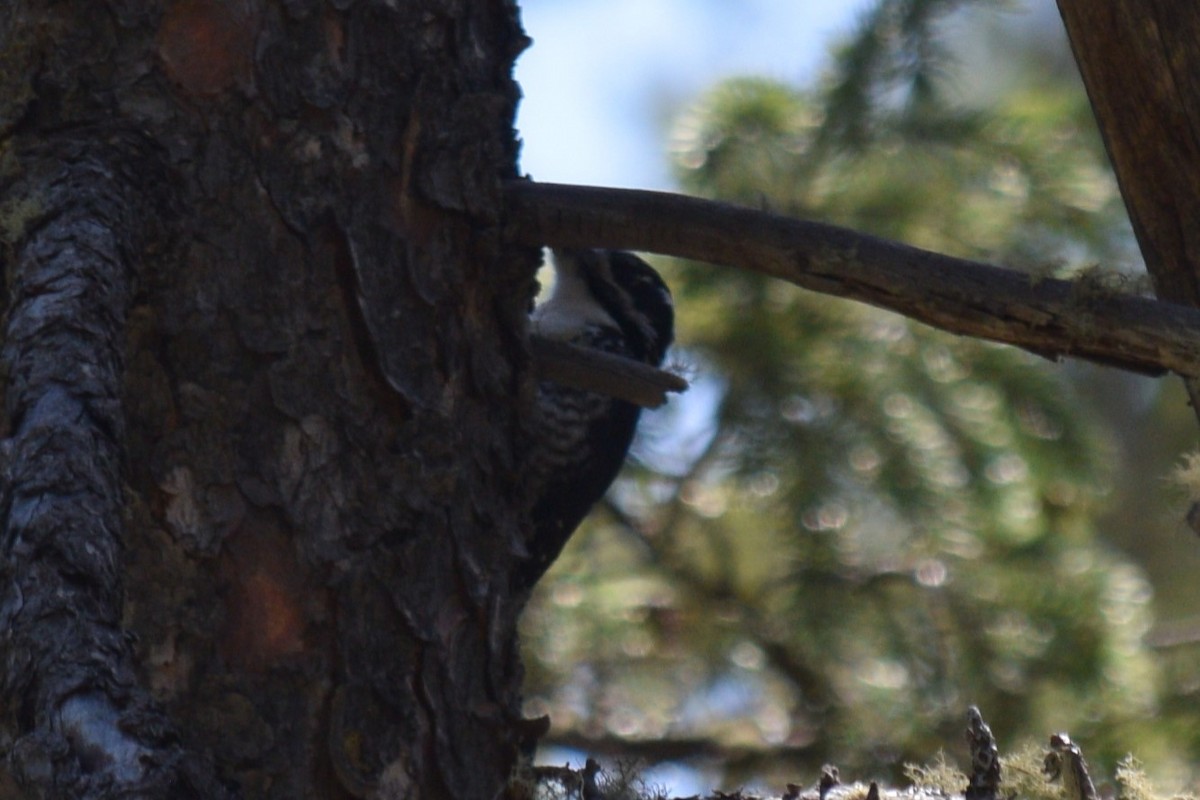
855, 526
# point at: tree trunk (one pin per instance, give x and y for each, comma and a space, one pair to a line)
266, 373
1139, 63
1141, 67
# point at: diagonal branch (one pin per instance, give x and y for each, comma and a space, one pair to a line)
68, 677
1047, 316
597, 371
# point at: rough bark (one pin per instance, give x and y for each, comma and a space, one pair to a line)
85, 726
324, 378
1141, 67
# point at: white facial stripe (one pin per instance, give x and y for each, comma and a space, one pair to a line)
570, 307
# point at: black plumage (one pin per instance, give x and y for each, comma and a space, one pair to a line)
615, 302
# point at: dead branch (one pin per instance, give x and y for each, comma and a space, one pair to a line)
1047, 316
597, 371
1062, 763
86, 727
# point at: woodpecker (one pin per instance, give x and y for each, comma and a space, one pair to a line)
615, 302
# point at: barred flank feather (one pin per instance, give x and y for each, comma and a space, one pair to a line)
613, 302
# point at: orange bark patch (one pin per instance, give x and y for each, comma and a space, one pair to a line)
265, 611
207, 46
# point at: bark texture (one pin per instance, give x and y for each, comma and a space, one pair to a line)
1141, 67
84, 726
306, 506
1139, 62
1047, 316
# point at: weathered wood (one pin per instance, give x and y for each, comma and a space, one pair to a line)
1047, 316
597, 371
1141, 67
83, 727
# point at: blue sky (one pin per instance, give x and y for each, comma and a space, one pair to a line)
604, 77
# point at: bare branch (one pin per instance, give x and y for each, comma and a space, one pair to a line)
1048, 316
597, 371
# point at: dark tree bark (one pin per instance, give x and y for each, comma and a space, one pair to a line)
266, 368
1141, 67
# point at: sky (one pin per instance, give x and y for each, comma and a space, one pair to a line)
604, 78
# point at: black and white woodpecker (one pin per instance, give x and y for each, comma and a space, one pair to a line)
615, 302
